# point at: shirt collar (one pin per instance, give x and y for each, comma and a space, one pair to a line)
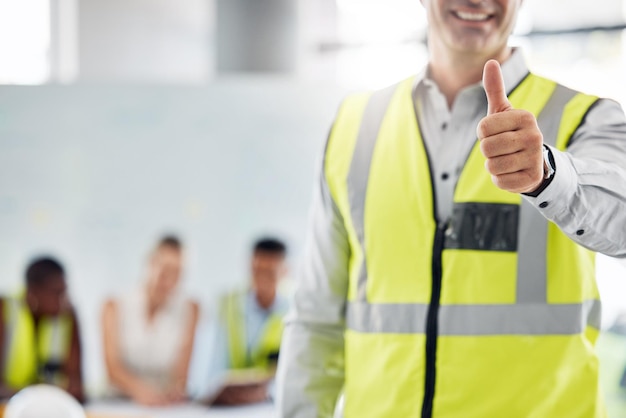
255, 303
514, 70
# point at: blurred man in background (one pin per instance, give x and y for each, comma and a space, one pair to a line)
39, 334
445, 276
251, 324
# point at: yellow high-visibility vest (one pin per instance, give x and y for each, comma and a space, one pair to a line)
233, 313
28, 351
492, 313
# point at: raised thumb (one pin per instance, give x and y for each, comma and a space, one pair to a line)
494, 88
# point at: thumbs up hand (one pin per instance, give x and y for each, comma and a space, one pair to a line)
509, 138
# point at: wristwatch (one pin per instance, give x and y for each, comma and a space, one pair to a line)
549, 168
548, 163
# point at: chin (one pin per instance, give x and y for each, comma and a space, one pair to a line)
468, 40
471, 45
52, 314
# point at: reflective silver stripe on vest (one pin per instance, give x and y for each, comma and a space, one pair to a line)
533, 227
392, 318
358, 175
469, 320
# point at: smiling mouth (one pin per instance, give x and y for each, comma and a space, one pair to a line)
472, 16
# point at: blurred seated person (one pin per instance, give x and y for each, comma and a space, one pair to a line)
149, 332
251, 324
39, 334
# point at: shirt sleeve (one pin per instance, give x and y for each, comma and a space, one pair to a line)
587, 197
310, 372
210, 360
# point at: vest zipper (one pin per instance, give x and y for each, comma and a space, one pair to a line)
432, 322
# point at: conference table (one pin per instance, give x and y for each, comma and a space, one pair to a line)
125, 409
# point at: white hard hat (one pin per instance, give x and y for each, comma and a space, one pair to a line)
43, 401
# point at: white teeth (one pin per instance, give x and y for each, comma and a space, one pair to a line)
474, 17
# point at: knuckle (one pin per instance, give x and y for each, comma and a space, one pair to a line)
481, 129
489, 166
496, 166
526, 118
511, 183
536, 138
530, 140
500, 182
486, 148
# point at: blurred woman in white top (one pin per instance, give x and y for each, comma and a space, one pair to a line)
149, 332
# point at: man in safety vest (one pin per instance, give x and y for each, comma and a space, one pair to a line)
447, 276
253, 325
39, 336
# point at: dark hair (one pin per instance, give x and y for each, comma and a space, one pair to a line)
270, 245
170, 241
41, 269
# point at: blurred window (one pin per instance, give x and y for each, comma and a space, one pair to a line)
24, 41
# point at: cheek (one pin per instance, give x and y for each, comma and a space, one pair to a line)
435, 17
511, 11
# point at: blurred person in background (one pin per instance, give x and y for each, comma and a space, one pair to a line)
447, 271
39, 334
250, 328
149, 332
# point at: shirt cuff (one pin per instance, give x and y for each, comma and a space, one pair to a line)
555, 198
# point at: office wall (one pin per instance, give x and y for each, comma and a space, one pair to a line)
145, 41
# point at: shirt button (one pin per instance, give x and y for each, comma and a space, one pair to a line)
543, 205
444, 126
445, 176
580, 232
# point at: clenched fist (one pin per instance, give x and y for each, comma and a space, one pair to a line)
509, 138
